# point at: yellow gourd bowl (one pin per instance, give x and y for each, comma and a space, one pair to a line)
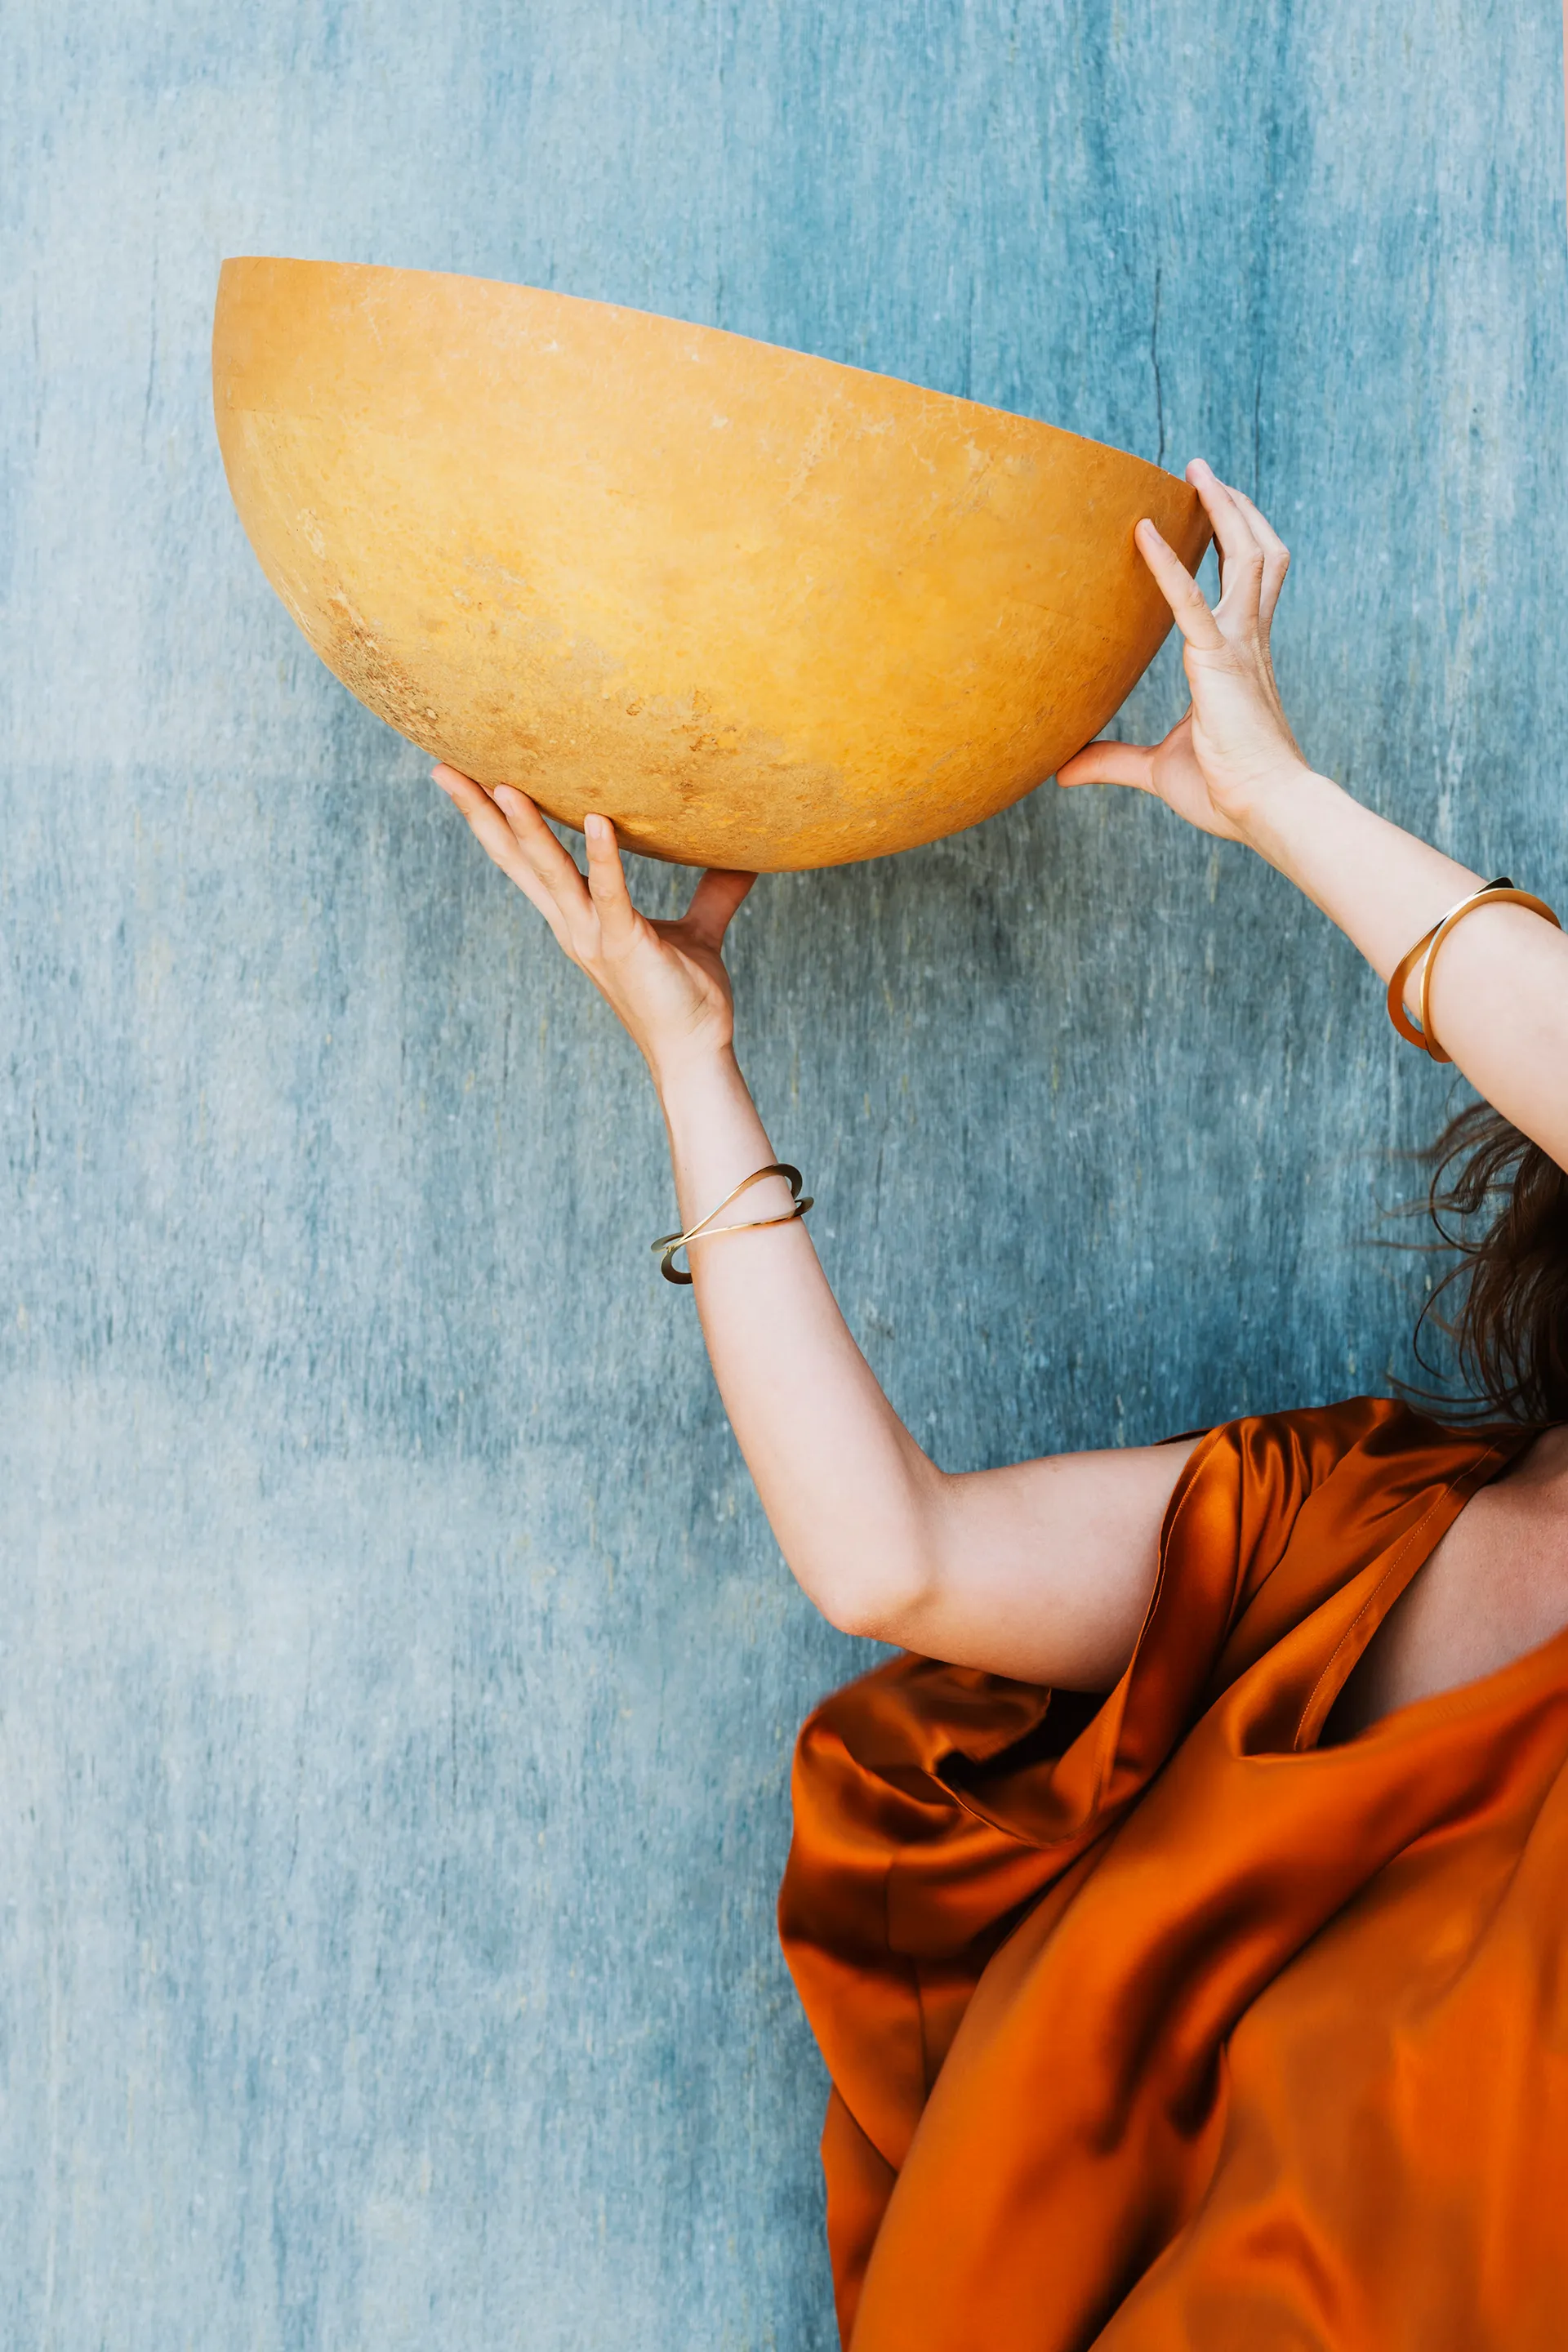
762, 610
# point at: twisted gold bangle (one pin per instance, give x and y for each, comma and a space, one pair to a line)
705, 1230
1500, 893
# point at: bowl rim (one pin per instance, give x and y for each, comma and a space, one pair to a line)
242, 262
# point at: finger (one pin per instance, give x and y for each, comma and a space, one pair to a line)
1276, 554
607, 885
713, 904
548, 859
1258, 522
1180, 589
1108, 763
486, 820
495, 836
1241, 558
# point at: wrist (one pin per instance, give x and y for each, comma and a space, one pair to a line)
1269, 816
693, 1072
716, 1137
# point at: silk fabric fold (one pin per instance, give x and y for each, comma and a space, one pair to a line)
1154, 2023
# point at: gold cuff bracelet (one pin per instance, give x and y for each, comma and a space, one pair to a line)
705, 1230
1499, 893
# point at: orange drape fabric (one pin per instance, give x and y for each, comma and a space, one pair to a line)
1153, 2024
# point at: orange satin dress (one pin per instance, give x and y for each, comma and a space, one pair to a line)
1154, 2024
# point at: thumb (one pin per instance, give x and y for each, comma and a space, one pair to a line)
1109, 763
713, 904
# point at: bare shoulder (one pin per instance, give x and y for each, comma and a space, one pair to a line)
1495, 1588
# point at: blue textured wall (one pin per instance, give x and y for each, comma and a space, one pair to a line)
396, 1679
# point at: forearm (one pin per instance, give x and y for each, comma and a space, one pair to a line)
1500, 989
1042, 1571
849, 1495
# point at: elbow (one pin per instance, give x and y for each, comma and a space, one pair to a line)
873, 1564
855, 1614
872, 1602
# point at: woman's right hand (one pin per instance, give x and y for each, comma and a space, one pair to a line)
1229, 755
666, 980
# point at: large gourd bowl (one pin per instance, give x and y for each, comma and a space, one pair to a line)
762, 610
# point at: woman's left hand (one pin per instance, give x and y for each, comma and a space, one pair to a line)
1234, 746
1499, 997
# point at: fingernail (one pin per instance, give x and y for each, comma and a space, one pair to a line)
438, 778
595, 828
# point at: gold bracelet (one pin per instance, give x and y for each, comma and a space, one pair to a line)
1499, 893
705, 1230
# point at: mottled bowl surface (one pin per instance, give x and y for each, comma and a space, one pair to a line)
762, 610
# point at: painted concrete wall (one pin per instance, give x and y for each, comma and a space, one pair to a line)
396, 1679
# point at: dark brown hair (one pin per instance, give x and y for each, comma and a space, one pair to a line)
1501, 1204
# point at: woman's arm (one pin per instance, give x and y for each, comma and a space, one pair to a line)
1042, 1570
1500, 990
